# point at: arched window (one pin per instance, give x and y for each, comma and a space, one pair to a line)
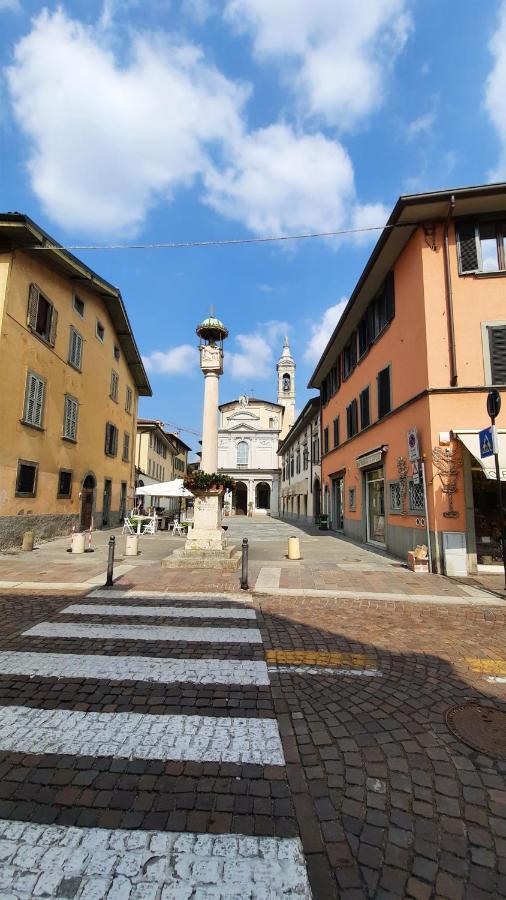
286, 382
242, 453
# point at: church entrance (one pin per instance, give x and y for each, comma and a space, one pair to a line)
263, 496
240, 499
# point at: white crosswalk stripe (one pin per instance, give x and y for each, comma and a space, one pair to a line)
135, 668
146, 633
169, 612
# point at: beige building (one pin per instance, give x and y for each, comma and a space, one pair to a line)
159, 456
71, 378
300, 466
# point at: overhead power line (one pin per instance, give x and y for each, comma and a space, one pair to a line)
226, 242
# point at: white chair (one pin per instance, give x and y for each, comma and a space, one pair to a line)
149, 527
128, 527
177, 528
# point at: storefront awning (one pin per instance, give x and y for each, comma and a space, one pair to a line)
471, 442
372, 457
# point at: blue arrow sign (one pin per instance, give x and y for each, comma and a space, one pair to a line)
486, 443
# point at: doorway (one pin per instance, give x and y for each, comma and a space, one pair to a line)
241, 499
375, 482
263, 496
337, 504
87, 502
106, 509
316, 499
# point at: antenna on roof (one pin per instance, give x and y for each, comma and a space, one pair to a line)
211, 309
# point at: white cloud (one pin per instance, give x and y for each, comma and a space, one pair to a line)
198, 10
334, 55
109, 139
280, 182
13, 5
322, 330
181, 360
495, 91
256, 357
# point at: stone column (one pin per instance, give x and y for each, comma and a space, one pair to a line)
209, 462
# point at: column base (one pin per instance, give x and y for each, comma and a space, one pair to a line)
206, 544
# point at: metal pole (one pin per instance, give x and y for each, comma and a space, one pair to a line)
110, 562
244, 565
499, 497
429, 550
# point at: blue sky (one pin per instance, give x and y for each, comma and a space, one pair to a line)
172, 120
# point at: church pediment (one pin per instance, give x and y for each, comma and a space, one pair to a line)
243, 414
242, 426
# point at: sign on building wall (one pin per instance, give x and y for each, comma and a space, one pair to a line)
487, 443
413, 448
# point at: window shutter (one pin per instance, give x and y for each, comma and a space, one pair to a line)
52, 326
114, 440
38, 401
33, 305
31, 388
467, 247
106, 446
497, 341
389, 297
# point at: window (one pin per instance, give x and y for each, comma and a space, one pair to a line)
297, 461
316, 448
291, 464
415, 493
395, 497
480, 247
100, 331
64, 484
75, 349
336, 432
363, 337
352, 495
497, 350
128, 400
305, 457
70, 418
352, 419
111, 439
113, 394
26, 479
35, 394
365, 412
126, 446
42, 315
384, 400
325, 440
242, 453
78, 305
350, 356
272, 423
116, 352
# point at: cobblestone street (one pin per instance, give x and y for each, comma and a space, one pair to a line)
229, 747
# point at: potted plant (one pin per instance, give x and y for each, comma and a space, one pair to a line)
199, 482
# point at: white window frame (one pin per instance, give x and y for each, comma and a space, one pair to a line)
70, 418
242, 465
35, 394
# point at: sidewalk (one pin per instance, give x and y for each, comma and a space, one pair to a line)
330, 567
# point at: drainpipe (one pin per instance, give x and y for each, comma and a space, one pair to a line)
449, 298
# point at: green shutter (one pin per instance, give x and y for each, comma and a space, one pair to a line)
497, 342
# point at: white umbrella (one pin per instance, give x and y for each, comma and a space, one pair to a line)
173, 488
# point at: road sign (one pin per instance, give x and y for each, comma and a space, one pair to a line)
413, 448
493, 404
416, 472
486, 442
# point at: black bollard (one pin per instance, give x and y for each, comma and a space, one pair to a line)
244, 565
110, 562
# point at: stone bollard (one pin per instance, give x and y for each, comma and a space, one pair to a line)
28, 540
293, 548
78, 542
132, 545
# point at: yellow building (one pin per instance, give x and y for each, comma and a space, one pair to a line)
71, 378
159, 456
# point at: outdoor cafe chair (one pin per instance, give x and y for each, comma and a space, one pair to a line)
149, 527
128, 527
177, 528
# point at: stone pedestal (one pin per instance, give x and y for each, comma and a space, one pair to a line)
206, 544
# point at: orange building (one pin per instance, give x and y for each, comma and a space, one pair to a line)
404, 381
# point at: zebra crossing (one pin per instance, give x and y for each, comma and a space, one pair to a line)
205, 739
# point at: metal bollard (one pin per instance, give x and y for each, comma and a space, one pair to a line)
110, 562
244, 565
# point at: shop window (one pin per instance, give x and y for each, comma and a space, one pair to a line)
64, 484
365, 412
416, 501
336, 432
395, 497
352, 499
384, 399
352, 419
26, 478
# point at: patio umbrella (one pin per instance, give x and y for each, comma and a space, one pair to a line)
173, 488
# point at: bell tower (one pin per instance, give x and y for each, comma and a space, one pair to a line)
286, 387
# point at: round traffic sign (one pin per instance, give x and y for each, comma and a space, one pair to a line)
493, 404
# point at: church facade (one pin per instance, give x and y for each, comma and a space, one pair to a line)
248, 437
